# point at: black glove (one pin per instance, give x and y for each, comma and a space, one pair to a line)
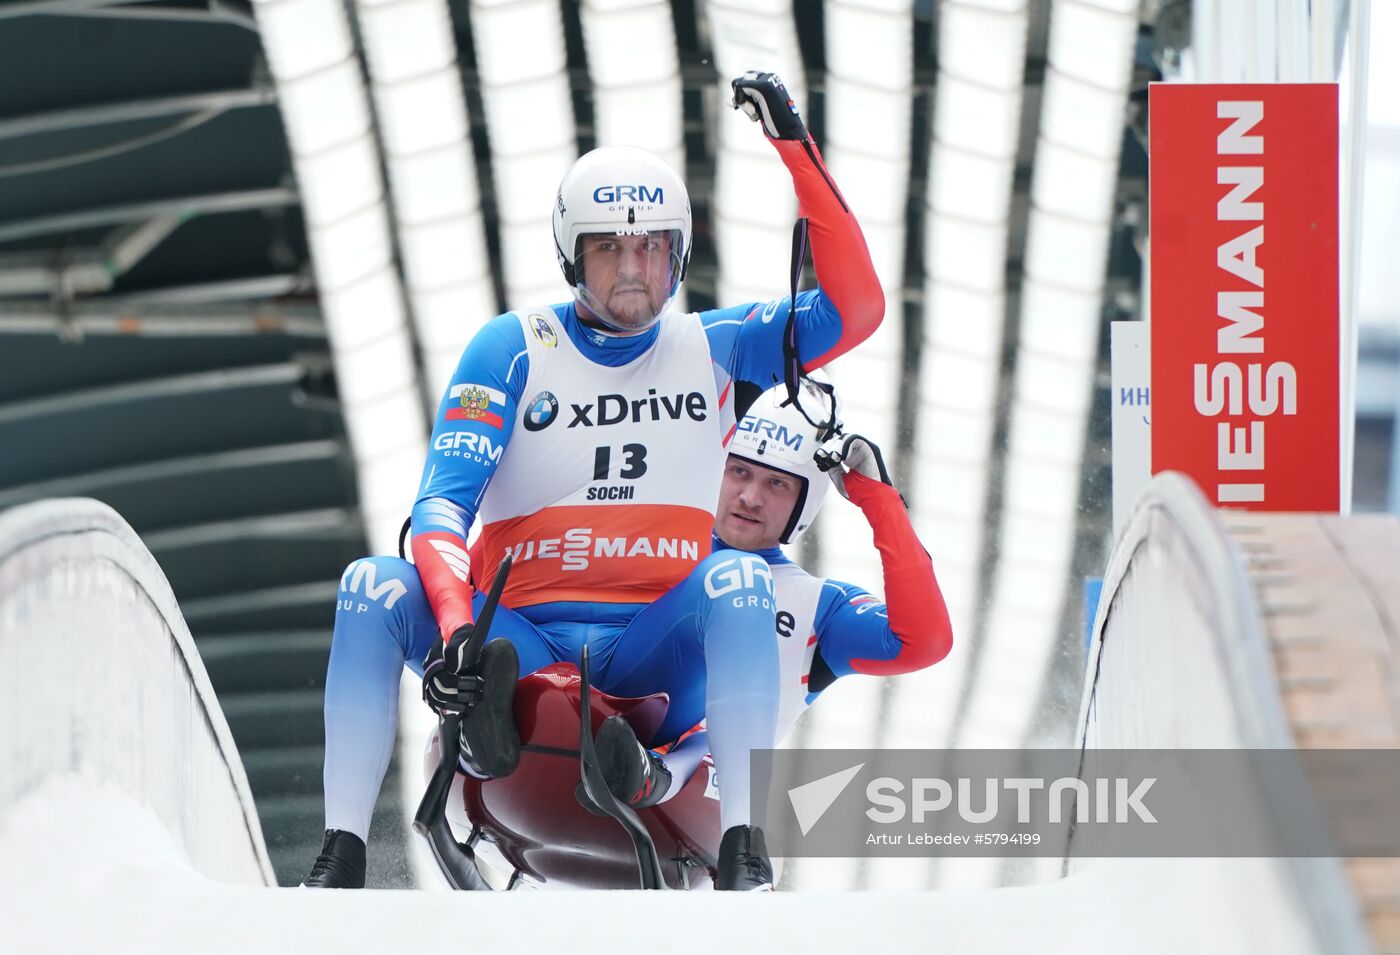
852, 452
765, 99
446, 688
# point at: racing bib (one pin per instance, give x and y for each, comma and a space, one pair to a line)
606, 492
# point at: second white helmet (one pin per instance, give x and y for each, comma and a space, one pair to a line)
620, 190
780, 434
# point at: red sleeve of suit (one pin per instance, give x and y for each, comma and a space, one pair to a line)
445, 569
844, 270
917, 614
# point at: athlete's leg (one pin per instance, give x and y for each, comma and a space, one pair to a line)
382, 623
709, 642
682, 761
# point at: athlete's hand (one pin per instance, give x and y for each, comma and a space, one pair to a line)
765, 99
445, 688
852, 452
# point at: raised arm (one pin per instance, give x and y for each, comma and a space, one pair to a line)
845, 273
848, 304
911, 630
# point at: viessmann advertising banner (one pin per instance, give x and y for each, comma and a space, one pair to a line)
1244, 273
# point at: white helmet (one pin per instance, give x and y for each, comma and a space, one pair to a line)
620, 190
778, 434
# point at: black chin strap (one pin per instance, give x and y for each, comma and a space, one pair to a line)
794, 375
792, 362
746, 392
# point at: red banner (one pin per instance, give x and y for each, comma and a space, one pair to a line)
1245, 392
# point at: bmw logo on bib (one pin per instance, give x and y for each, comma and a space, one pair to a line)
541, 412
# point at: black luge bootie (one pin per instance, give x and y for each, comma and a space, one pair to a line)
489, 739
743, 861
633, 773
341, 864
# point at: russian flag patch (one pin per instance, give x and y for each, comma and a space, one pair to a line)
475, 402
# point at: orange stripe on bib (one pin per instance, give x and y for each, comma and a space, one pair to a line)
598, 553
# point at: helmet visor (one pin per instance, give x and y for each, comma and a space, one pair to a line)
628, 277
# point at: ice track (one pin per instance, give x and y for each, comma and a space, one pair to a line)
126, 824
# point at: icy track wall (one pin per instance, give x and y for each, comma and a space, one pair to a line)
1180, 660
106, 712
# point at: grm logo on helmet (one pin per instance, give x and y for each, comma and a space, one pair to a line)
628, 194
777, 433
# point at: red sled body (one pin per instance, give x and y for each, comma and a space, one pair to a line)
534, 819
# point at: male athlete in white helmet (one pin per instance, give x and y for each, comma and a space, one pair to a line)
589, 438
775, 482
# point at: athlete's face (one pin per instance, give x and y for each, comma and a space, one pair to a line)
629, 275
755, 504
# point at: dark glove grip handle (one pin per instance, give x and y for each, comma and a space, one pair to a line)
434, 802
